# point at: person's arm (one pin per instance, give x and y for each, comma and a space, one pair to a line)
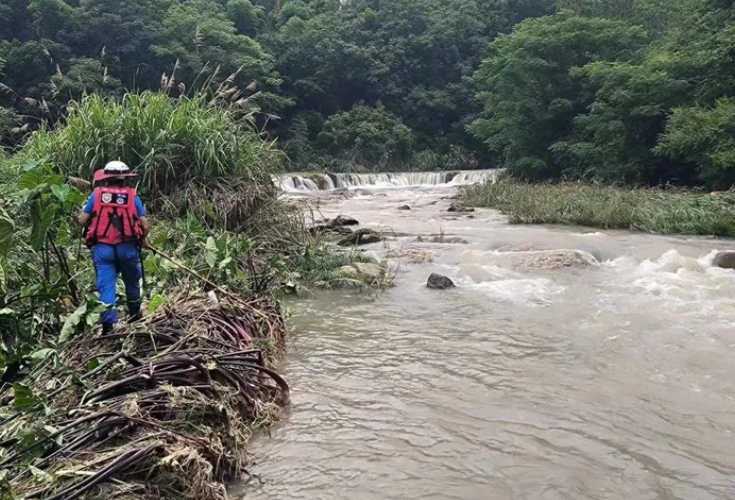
143, 221
86, 213
144, 225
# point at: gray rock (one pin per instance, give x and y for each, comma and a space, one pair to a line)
724, 259
449, 239
360, 237
342, 220
404, 207
323, 228
363, 270
547, 259
439, 282
458, 207
368, 269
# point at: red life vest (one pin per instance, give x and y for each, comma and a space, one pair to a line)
114, 217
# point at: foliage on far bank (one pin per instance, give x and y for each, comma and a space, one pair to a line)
651, 210
300, 61
631, 91
625, 91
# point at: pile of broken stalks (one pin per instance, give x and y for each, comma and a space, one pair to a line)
162, 408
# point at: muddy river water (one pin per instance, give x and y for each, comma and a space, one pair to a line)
610, 380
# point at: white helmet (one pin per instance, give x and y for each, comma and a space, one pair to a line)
113, 169
117, 168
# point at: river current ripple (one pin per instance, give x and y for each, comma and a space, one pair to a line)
613, 381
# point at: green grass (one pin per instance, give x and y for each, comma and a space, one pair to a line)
650, 210
171, 143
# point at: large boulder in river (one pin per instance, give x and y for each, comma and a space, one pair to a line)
360, 237
365, 271
404, 207
442, 238
458, 207
413, 256
724, 259
439, 282
547, 259
342, 220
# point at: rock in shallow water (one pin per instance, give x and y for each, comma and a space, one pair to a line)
724, 259
412, 255
548, 259
439, 282
360, 237
363, 270
458, 207
342, 220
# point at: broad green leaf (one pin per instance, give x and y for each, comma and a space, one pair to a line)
156, 302
7, 228
31, 164
3, 281
39, 475
61, 192
23, 397
31, 180
72, 322
210, 255
92, 364
41, 219
225, 262
41, 354
93, 316
59, 440
6, 489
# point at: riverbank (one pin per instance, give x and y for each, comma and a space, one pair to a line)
649, 210
162, 407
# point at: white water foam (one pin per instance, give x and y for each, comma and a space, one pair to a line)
477, 271
686, 285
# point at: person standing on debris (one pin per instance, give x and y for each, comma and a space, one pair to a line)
115, 229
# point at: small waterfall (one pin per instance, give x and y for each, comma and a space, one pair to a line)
326, 182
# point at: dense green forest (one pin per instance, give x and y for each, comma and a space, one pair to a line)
635, 91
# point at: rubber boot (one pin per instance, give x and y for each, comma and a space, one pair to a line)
107, 327
135, 317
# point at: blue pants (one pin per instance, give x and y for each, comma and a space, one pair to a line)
110, 260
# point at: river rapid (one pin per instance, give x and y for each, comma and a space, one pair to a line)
610, 380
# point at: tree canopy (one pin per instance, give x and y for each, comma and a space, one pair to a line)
635, 91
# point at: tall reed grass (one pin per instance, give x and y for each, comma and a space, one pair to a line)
169, 142
653, 210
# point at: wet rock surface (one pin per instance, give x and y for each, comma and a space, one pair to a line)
439, 282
